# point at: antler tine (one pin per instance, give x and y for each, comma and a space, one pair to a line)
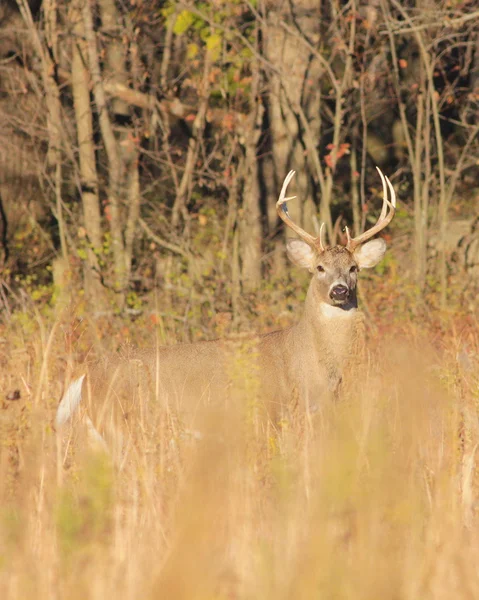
321, 237
385, 195
282, 210
384, 218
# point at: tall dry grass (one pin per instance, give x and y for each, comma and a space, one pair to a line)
372, 497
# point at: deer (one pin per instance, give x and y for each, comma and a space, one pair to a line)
306, 361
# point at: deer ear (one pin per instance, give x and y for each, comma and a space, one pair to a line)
369, 254
301, 254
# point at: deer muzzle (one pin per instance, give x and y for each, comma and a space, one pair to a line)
339, 293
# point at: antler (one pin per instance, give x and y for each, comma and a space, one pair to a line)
384, 218
315, 242
387, 213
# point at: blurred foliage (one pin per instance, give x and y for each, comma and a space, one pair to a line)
178, 55
84, 509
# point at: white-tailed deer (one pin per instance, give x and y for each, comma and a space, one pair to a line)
305, 361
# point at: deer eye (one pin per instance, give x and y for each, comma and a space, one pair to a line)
353, 269
320, 269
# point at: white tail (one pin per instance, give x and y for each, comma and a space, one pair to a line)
305, 361
69, 402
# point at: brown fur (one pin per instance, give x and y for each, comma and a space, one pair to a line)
306, 362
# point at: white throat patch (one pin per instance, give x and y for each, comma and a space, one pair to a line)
335, 312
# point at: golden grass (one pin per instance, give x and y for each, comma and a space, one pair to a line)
373, 497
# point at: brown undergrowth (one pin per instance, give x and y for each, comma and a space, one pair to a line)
374, 496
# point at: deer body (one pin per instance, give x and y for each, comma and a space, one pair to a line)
309, 358
304, 362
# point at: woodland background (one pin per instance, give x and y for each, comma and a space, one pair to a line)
143, 144
142, 149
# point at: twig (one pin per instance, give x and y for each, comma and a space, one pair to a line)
163, 243
446, 21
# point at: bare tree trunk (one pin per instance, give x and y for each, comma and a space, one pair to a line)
112, 151
115, 71
291, 65
235, 279
415, 152
355, 198
341, 87
422, 146
428, 62
55, 158
250, 223
116, 74
52, 102
443, 204
295, 99
133, 194
86, 152
423, 168
132, 159
184, 189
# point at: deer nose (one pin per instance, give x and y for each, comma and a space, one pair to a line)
339, 292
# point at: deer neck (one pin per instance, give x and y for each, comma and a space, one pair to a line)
331, 329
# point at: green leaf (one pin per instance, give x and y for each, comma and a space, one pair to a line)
192, 50
213, 41
183, 22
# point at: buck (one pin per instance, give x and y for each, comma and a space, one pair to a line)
305, 361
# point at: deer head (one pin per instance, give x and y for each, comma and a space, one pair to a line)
335, 269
